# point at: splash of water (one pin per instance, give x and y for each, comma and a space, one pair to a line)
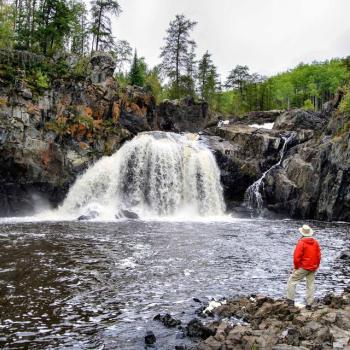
253, 197
154, 174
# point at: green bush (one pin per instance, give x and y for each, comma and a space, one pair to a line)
308, 105
344, 106
41, 81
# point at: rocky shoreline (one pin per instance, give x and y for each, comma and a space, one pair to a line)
260, 322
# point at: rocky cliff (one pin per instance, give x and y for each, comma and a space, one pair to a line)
49, 136
313, 179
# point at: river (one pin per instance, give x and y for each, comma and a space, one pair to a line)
98, 285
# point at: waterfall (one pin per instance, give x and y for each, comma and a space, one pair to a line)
252, 197
154, 174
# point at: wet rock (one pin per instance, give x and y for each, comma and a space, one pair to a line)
196, 329
124, 213
185, 115
167, 320
93, 214
273, 324
150, 338
345, 255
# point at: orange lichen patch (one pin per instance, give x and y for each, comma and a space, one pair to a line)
83, 145
135, 109
97, 124
61, 119
31, 108
116, 110
87, 111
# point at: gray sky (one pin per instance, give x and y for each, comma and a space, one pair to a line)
267, 35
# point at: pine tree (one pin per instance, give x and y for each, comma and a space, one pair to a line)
137, 71
176, 51
80, 33
101, 27
207, 77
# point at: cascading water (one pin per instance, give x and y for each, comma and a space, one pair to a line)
252, 197
155, 174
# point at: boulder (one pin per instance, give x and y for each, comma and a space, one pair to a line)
167, 320
103, 66
184, 115
150, 338
196, 329
298, 119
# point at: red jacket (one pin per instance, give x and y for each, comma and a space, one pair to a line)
307, 254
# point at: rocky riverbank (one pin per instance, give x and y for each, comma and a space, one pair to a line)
260, 322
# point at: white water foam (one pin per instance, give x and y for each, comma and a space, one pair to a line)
156, 175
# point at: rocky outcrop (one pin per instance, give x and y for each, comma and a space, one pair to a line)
259, 322
243, 153
47, 139
185, 115
314, 178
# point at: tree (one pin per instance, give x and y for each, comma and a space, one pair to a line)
6, 26
238, 77
122, 51
79, 31
137, 71
207, 77
176, 51
53, 20
101, 24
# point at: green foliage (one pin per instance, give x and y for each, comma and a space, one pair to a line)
344, 106
82, 68
6, 26
177, 54
101, 24
137, 72
207, 78
153, 83
41, 80
308, 105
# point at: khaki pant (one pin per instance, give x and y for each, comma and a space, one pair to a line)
295, 278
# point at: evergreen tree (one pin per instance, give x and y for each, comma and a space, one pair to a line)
137, 71
207, 78
54, 19
79, 31
101, 27
175, 53
6, 25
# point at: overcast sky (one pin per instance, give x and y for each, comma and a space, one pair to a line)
267, 35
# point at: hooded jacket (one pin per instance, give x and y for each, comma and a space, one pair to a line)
307, 254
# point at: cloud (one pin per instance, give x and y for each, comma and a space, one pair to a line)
267, 35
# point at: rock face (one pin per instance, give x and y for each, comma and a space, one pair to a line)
264, 323
46, 140
185, 115
314, 179
243, 153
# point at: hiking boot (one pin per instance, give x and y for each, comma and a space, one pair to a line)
290, 302
308, 307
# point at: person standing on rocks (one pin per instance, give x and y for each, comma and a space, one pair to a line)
307, 258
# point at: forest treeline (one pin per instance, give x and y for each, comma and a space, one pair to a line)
58, 29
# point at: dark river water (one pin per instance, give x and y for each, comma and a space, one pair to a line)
76, 285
